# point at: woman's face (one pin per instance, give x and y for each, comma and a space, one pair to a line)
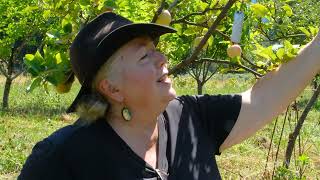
143, 75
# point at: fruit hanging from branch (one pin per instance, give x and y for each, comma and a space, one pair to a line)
107, 9
197, 41
235, 50
164, 18
65, 86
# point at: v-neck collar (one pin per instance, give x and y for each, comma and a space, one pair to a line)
162, 161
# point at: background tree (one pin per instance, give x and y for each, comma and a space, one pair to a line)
21, 32
202, 71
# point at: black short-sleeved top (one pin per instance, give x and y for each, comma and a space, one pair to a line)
191, 130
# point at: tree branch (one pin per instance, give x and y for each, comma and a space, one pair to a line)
226, 37
190, 23
18, 74
213, 73
251, 63
192, 74
288, 36
195, 14
204, 39
175, 2
2, 69
235, 64
205, 70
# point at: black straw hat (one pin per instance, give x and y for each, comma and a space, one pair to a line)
98, 40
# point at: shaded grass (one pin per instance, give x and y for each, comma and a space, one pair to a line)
20, 135
33, 116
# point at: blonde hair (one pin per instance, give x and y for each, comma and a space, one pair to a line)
95, 105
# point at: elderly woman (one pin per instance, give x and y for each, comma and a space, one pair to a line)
132, 125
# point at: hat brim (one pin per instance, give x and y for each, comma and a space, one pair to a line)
117, 38
128, 32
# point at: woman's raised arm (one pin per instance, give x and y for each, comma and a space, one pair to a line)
274, 92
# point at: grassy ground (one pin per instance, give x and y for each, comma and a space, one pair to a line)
33, 116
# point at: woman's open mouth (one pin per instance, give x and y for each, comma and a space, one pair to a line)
164, 79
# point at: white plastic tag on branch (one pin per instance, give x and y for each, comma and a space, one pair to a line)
237, 26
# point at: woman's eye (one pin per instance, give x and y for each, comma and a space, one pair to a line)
143, 57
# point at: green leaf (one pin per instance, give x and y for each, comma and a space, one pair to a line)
280, 53
313, 30
35, 83
259, 53
260, 63
110, 3
38, 56
224, 42
213, 3
29, 9
259, 10
202, 5
66, 25
287, 45
234, 60
46, 14
304, 159
50, 35
29, 57
190, 31
56, 77
265, 52
178, 27
84, 2
288, 10
33, 63
67, 28
210, 41
221, 28
58, 58
305, 31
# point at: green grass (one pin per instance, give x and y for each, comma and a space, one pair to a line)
33, 116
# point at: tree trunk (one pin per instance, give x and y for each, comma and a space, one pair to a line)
5, 99
293, 136
7, 87
200, 87
315, 84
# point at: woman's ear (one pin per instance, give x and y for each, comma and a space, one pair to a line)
109, 90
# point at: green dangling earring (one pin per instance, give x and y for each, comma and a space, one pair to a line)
126, 114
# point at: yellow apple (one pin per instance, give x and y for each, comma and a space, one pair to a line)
234, 51
197, 41
164, 18
63, 87
107, 9
204, 31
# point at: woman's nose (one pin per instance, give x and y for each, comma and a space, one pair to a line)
161, 59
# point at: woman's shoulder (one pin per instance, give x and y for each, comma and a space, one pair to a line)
181, 101
193, 99
55, 141
63, 135
199, 103
46, 155
79, 137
